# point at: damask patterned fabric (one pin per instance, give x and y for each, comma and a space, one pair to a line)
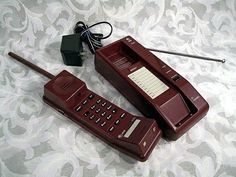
37, 141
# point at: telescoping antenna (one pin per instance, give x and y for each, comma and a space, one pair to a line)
31, 65
188, 55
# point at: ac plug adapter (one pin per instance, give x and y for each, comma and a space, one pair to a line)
72, 50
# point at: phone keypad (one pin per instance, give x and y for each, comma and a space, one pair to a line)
97, 110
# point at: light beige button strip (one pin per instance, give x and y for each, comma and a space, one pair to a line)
148, 82
131, 129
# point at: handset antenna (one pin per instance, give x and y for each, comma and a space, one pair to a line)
31, 65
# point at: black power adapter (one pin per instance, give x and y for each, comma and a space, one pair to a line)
71, 45
71, 48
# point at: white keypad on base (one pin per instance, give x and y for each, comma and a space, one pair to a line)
148, 82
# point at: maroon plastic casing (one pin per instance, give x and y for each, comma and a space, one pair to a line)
176, 110
133, 135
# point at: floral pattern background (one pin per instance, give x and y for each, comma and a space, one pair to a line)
36, 141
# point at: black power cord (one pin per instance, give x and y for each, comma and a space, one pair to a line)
93, 40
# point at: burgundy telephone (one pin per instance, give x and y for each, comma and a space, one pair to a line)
152, 86
133, 135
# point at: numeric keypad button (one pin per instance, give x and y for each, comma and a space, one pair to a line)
98, 100
103, 114
104, 104
98, 120
122, 115
98, 110
92, 107
117, 122
103, 124
109, 107
111, 129
91, 117
114, 110
86, 113
109, 117
91, 96
84, 102
78, 108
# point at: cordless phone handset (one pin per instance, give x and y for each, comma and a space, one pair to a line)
135, 136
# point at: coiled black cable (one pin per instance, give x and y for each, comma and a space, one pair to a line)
93, 40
